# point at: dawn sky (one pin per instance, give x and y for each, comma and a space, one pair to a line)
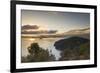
61, 21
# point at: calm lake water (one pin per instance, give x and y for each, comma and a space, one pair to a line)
45, 43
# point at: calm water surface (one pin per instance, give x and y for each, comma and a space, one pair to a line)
45, 43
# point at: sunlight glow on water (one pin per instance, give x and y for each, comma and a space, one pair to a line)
45, 43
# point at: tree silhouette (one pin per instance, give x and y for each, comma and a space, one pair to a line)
33, 48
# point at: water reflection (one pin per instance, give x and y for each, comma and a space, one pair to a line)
45, 43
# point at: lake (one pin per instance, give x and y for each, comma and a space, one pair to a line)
45, 43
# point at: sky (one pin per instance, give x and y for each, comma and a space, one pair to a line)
51, 20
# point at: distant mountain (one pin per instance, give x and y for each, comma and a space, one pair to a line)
70, 43
78, 31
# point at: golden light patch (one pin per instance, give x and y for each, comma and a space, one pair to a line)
31, 39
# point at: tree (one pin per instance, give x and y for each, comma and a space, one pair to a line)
37, 54
33, 48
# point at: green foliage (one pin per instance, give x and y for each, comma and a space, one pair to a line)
84, 51
42, 55
80, 53
33, 48
37, 54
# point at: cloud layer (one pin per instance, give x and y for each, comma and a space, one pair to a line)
33, 29
40, 32
27, 27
